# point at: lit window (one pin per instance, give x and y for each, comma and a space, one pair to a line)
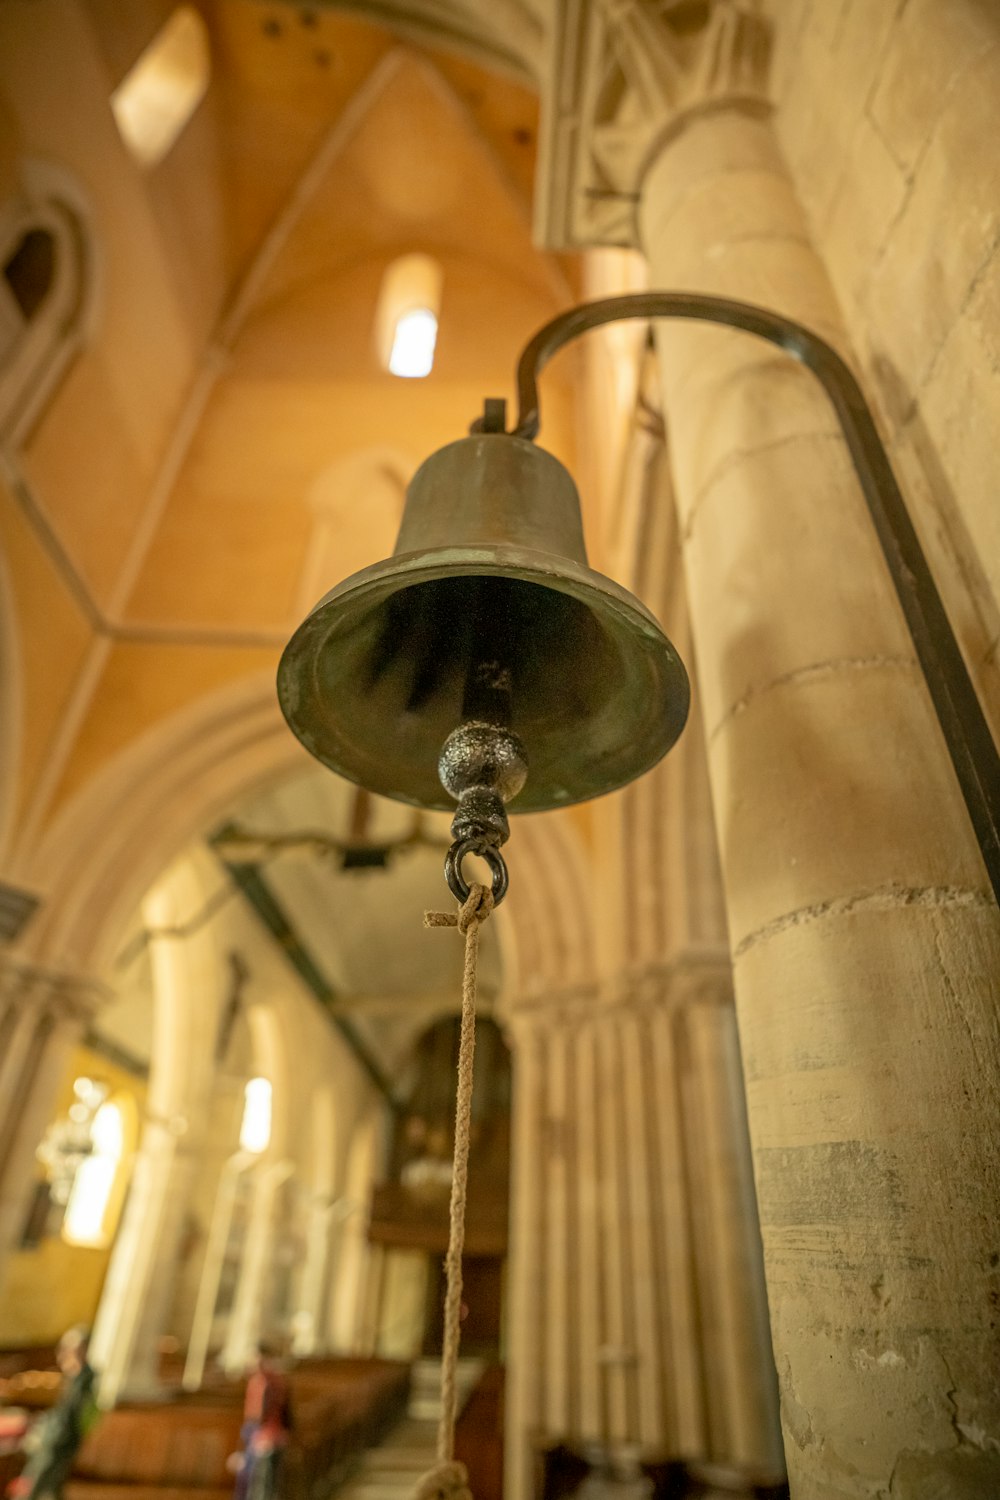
160, 92
255, 1129
412, 352
86, 1220
407, 316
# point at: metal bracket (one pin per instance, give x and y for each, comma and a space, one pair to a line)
970, 744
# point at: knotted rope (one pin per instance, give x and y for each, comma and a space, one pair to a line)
448, 1479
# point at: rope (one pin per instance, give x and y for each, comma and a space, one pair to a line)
448, 1480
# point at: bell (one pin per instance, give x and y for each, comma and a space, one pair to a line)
486, 611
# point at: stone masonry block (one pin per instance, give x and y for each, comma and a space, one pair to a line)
860, 1079
959, 572
720, 146
869, 199
778, 622
960, 408
947, 231
848, 776
932, 46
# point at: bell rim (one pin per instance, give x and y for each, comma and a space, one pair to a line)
544, 569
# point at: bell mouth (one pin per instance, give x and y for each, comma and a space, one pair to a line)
373, 681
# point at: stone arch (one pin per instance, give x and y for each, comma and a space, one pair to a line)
164, 790
48, 291
180, 776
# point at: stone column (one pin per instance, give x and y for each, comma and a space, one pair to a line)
524, 1320
369, 1320
635, 1309
310, 1320
188, 982
249, 1317
138, 1292
740, 1390
866, 944
213, 1265
350, 1275
349, 1279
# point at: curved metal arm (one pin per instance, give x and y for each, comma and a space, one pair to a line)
970, 744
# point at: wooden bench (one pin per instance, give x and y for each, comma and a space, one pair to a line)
179, 1447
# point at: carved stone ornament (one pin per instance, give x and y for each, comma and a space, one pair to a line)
622, 74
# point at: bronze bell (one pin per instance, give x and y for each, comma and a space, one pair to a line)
487, 611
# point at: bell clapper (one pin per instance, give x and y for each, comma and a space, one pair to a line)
482, 765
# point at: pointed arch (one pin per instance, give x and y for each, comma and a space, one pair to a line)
110, 843
48, 291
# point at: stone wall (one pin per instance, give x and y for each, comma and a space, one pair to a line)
888, 113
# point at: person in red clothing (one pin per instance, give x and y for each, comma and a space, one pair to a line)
265, 1431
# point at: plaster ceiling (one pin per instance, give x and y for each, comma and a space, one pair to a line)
327, 147
394, 152
287, 72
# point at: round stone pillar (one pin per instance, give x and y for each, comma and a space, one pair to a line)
740, 1392
137, 1300
138, 1294
635, 1286
525, 1362
866, 943
310, 1321
249, 1317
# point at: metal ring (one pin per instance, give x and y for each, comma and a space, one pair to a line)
453, 867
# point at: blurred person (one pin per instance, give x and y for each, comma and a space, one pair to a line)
55, 1438
265, 1432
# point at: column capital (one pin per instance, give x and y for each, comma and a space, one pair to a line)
694, 976
550, 1010
51, 992
621, 75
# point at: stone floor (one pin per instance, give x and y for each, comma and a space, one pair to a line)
390, 1471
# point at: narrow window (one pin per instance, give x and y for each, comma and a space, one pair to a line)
162, 90
255, 1129
406, 320
87, 1212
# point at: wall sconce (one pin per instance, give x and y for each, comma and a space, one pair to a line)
485, 660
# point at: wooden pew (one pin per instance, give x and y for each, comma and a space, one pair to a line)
178, 1448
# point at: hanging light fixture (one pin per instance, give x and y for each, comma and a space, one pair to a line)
486, 661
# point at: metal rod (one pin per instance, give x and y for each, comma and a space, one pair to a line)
967, 735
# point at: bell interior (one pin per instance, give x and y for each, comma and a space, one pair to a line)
379, 680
